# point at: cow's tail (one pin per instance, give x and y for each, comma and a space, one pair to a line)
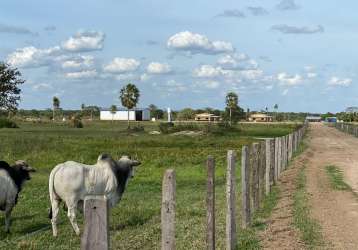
51, 189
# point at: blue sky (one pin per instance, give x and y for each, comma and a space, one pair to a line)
299, 54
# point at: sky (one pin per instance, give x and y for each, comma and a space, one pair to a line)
299, 54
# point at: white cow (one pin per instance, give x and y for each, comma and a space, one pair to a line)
71, 182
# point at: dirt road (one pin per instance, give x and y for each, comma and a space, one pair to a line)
336, 211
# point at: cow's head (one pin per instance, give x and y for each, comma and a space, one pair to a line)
24, 169
126, 163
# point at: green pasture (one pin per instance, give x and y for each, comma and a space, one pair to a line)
135, 222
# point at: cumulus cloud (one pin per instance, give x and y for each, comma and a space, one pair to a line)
157, 68
237, 61
257, 11
287, 5
311, 75
30, 57
81, 74
336, 81
78, 62
196, 43
286, 29
209, 84
174, 86
289, 80
84, 41
10, 29
121, 65
208, 71
234, 13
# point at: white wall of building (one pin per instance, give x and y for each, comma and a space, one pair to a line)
118, 116
146, 115
122, 115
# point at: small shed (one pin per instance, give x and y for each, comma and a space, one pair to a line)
331, 119
313, 119
260, 118
122, 115
207, 117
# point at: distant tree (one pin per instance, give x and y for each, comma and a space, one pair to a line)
186, 114
275, 107
232, 101
113, 111
159, 114
152, 110
247, 114
55, 106
129, 96
10, 79
83, 107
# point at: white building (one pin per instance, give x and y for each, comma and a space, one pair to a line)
122, 115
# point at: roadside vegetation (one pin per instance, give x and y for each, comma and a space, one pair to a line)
309, 228
336, 178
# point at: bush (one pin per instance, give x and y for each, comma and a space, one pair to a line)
6, 123
137, 128
76, 122
165, 127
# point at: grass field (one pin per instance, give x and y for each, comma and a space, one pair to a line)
135, 222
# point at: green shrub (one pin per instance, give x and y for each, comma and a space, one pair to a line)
137, 128
76, 122
6, 123
164, 127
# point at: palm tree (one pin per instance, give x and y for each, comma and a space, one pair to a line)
276, 109
232, 100
129, 96
55, 105
113, 111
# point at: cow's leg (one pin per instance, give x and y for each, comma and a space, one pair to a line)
7, 218
71, 213
55, 209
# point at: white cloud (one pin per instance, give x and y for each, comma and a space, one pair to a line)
82, 74
344, 82
121, 65
209, 84
84, 41
41, 86
252, 74
196, 43
289, 80
32, 57
208, 71
287, 5
78, 62
285, 92
311, 75
174, 86
157, 68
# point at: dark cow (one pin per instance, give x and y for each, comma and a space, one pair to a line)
12, 179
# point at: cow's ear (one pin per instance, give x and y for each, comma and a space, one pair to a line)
136, 163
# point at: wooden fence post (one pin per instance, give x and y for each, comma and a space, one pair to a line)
262, 171
289, 147
210, 204
272, 168
231, 201
245, 187
96, 231
255, 177
279, 157
168, 210
267, 166
277, 149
